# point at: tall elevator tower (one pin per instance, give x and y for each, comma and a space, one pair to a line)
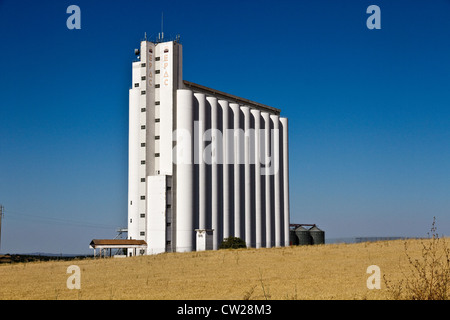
152, 104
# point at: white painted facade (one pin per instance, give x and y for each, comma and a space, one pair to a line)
201, 159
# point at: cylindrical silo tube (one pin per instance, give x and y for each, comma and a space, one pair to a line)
276, 178
225, 173
236, 165
200, 97
257, 149
267, 179
215, 223
184, 159
284, 125
247, 177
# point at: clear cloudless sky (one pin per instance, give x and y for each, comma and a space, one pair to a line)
369, 110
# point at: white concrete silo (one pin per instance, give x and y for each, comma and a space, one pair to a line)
225, 169
267, 179
215, 152
285, 178
226, 158
276, 176
236, 168
184, 159
257, 160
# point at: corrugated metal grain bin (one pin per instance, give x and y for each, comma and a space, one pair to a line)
317, 235
293, 240
303, 236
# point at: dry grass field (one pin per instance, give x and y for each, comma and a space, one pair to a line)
332, 271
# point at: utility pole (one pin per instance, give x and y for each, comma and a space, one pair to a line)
1, 216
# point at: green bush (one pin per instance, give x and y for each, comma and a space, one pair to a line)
232, 243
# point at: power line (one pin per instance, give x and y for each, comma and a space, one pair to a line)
58, 221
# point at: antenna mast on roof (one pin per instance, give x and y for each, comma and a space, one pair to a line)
161, 35
1, 216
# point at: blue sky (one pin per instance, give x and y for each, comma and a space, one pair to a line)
369, 110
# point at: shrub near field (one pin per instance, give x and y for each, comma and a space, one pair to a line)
298, 272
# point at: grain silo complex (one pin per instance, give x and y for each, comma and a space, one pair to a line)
299, 235
204, 165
